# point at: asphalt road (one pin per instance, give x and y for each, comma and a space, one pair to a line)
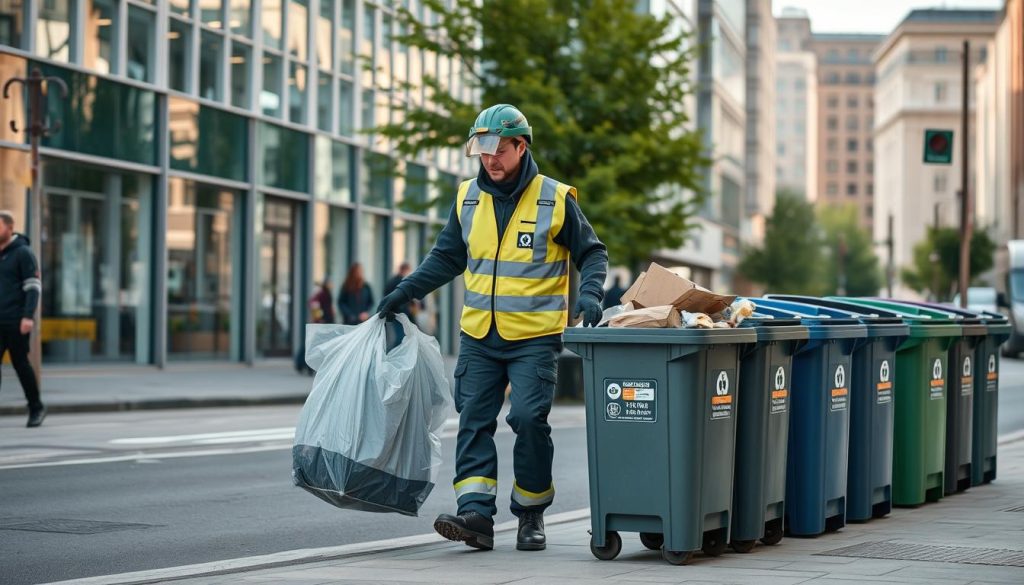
168, 504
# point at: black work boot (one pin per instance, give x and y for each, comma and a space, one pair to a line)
531, 532
36, 416
471, 528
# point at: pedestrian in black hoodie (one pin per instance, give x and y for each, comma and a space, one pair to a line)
20, 288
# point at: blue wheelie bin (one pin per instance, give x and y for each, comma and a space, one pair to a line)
819, 423
984, 428
869, 480
762, 429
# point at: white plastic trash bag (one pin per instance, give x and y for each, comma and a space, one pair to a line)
367, 437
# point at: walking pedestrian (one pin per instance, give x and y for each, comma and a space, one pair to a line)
20, 288
355, 300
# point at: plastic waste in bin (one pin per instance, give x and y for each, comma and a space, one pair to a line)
869, 479
919, 433
985, 419
759, 483
819, 423
661, 430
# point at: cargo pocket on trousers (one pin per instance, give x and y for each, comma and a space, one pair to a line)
460, 371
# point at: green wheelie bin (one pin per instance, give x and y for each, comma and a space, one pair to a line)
759, 483
919, 434
984, 429
661, 431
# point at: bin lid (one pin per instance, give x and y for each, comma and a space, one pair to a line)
819, 324
769, 328
923, 322
880, 323
994, 322
673, 336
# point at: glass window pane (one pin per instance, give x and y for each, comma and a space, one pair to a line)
141, 44
373, 231
12, 21
202, 249
331, 248
270, 97
103, 117
298, 28
297, 93
366, 122
347, 37
180, 7
210, 13
179, 49
368, 48
240, 57
53, 31
240, 16
272, 19
206, 140
276, 263
211, 59
323, 102
282, 154
324, 36
100, 31
346, 108
376, 176
333, 170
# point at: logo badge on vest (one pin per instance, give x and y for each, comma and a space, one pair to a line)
525, 240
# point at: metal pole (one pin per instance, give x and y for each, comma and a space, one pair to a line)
934, 256
965, 191
890, 269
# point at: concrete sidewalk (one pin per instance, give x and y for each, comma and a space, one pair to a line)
972, 538
114, 388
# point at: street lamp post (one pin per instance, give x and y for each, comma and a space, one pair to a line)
38, 92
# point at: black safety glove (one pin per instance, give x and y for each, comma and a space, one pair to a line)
391, 302
590, 307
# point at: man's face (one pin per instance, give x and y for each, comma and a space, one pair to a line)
504, 163
6, 231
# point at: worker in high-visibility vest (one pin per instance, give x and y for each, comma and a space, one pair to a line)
511, 233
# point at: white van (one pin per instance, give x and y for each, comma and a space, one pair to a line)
1009, 283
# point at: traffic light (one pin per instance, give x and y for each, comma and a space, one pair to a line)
938, 146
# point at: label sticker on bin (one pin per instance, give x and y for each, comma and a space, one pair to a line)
630, 400
883, 381
937, 385
992, 378
722, 396
780, 392
966, 377
840, 396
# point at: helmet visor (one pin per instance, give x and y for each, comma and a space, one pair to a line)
482, 144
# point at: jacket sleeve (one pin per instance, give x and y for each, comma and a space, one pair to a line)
588, 253
28, 270
446, 260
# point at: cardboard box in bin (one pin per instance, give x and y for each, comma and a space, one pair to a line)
665, 316
659, 286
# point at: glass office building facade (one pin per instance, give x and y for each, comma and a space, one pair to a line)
215, 160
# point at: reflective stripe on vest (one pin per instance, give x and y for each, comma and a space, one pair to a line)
520, 283
476, 485
527, 498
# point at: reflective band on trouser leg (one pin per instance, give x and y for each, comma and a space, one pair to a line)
476, 485
528, 499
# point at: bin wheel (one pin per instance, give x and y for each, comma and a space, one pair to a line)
676, 557
772, 532
714, 543
611, 549
834, 523
652, 540
743, 546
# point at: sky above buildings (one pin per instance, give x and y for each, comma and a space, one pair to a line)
869, 16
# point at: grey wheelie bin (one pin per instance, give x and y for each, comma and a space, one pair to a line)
819, 423
759, 483
661, 431
984, 429
869, 479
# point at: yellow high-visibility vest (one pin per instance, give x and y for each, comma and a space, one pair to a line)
523, 280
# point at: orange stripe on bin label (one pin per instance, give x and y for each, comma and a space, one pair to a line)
885, 386
721, 400
937, 383
992, 375
780, 393
629, 393
839, 391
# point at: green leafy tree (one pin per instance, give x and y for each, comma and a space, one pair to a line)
604, 87
936, 268
851, 253
791, 259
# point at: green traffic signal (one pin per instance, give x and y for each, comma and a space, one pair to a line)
938, 146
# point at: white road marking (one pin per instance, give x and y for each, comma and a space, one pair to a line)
301, 556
